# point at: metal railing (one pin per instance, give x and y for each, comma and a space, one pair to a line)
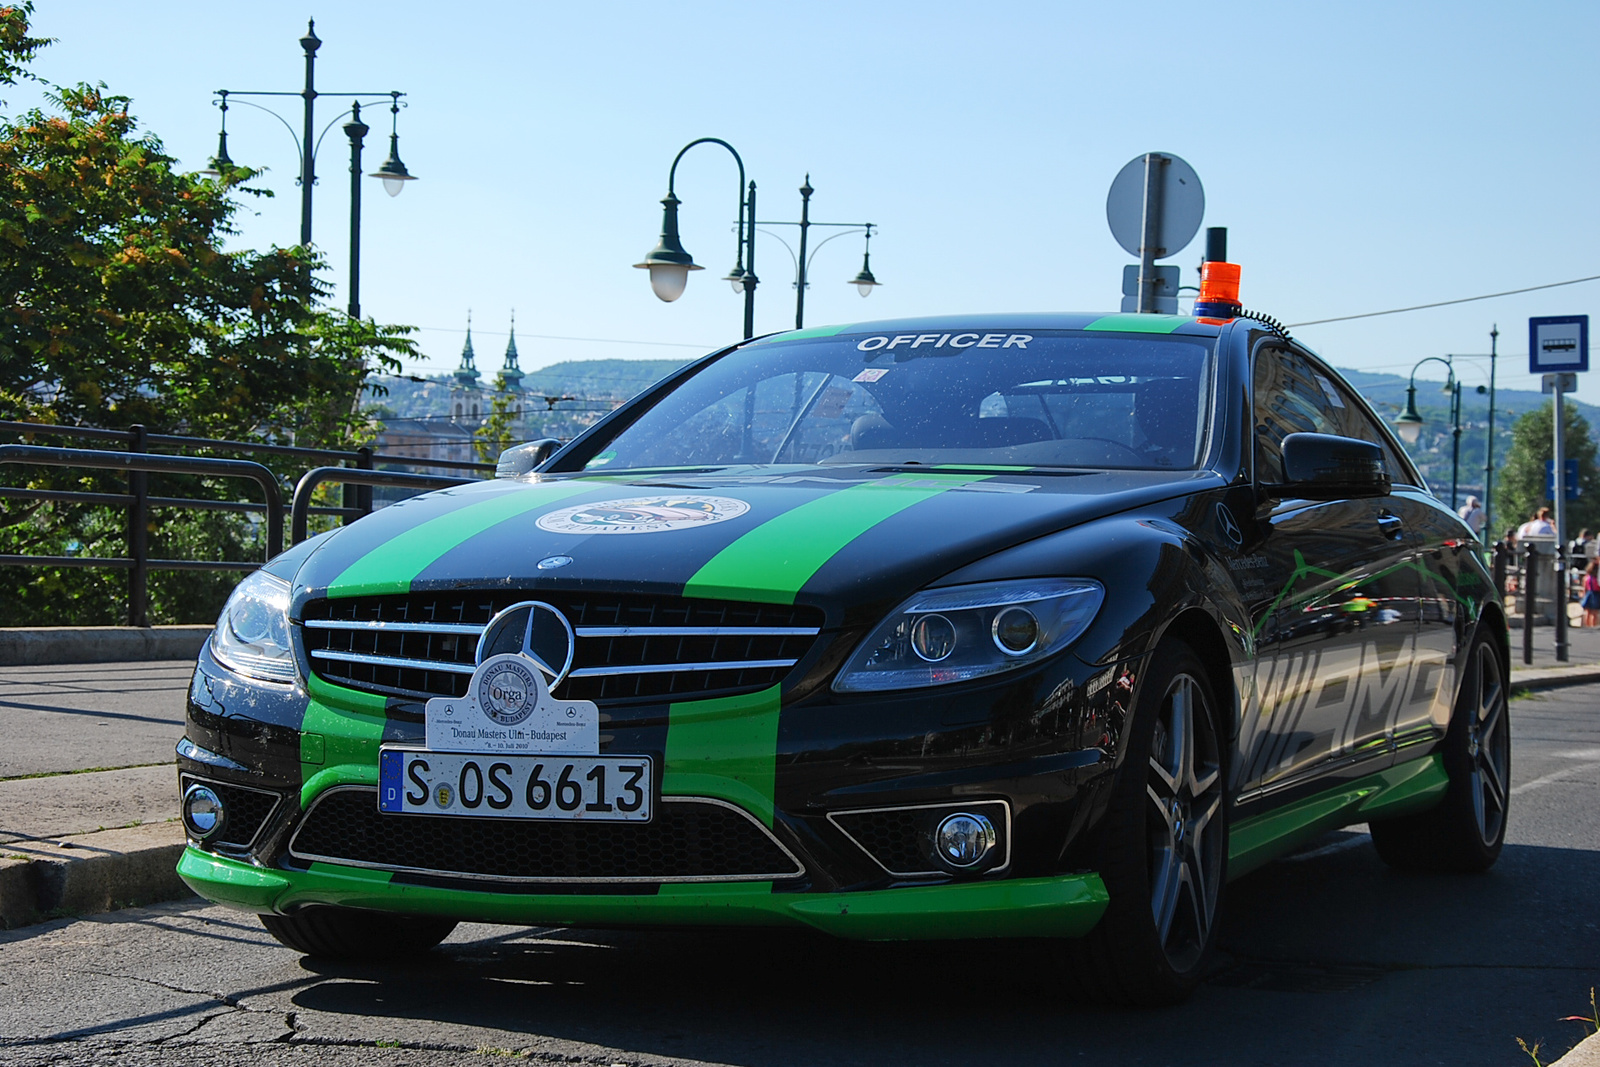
138, 461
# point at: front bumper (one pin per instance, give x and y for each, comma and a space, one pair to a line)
1062, 906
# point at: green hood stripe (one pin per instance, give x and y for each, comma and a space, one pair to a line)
772, 562
395, 564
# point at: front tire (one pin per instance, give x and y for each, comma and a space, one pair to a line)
1465, 832
1165, 844
347, 934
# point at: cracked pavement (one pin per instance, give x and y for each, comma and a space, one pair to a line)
1329, 959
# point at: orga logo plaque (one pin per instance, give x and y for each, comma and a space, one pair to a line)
508, 708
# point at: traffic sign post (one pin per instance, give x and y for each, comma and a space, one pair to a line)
1558, 349
1154, 209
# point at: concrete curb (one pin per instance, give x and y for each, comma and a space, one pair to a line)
88, 873
1533, 678
1585, 1053
99, 644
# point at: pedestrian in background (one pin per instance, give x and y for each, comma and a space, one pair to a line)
1539, 525
1590, 603
1472, 514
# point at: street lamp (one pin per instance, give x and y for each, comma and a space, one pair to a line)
864, 281
1409, 423
393, 172
669, 263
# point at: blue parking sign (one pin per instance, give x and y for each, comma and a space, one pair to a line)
1558, 343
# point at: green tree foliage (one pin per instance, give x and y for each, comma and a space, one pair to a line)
120, 306
1521, 483
496, 434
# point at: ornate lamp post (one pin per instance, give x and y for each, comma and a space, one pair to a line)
393, 171
669, 263
863, 281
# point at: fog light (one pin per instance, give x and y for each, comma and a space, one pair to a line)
964, 840
203, 813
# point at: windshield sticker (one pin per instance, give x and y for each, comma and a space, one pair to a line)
831, 404
871, 374
601, 460
914, 341
643, 514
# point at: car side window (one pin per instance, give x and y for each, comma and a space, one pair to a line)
1294, 395
1287, 398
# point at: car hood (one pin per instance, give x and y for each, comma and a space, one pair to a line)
849, 539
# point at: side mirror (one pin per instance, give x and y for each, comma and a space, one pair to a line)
1320, 466
519, 460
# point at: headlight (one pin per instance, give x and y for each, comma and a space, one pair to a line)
969, 631
252, 636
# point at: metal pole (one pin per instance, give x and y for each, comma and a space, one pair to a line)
138, 534
750, 278
805, 224
1488, 462
1559, 593
1527, 598
355, 129
1155, 171
1455, 442
308, 177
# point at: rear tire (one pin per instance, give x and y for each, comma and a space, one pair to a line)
347, 934
1465, 832
1165, 843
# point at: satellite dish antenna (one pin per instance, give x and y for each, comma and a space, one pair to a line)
1154, 210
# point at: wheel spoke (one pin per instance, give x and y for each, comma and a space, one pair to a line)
1164, 777
1203, 783
1164, 895
1491, 778
1479, 812
1490, 722
1202, 815
1183, 731
1163, 812
1195, 876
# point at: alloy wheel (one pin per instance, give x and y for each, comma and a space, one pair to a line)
1184, 791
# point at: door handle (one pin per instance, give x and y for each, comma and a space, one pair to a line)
1391, 526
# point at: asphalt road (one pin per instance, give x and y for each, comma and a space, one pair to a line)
1329, 959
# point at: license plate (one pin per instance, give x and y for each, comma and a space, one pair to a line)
503, 786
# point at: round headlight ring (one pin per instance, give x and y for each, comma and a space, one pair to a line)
933, 638
1015, 631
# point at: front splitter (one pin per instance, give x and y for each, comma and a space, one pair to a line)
1062, 906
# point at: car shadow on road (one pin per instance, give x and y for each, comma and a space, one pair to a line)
1331, 933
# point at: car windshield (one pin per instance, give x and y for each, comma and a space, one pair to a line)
1039, 398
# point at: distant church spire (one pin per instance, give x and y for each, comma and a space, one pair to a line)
512, 371
467, 373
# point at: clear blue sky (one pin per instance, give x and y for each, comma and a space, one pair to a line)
1363, 155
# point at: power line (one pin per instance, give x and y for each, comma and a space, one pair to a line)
555, 337
1445, 303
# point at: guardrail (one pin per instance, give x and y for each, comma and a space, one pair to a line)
138, 461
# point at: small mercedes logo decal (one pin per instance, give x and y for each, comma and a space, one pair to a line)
550, 563
536, 631
1230, 529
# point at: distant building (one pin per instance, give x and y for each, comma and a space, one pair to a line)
425, 439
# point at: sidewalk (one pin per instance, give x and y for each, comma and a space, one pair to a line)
78, 841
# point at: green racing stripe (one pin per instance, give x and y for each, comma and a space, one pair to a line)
394, 565
772, 562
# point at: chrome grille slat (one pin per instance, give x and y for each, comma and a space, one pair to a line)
398, 627
393, 661
662, 668
696, 631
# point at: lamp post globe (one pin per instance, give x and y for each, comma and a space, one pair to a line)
1409, 424
668, 262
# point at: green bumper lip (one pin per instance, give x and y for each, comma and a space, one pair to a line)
1063, 906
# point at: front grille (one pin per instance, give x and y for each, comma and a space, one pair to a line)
628, 647
689, 840
247, 811
901, 840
